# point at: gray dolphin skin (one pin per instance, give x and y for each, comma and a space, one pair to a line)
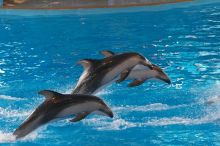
139, 74
98, 73
92, 79
57, 106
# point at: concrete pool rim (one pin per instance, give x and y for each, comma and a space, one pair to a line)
88, 11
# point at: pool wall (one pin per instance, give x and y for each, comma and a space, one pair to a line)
75, 4
50, 12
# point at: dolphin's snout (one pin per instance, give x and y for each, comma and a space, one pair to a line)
111, 115
164, 78
107, 112
161, 75
167, 80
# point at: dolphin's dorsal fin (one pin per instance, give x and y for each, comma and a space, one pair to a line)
87, 63
107, 53
49, 94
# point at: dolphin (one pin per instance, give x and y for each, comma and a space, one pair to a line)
139, 74
100, 72
57, 106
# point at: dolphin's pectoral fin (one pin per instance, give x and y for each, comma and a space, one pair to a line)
136, 83
107, 53
79, 116
123, 75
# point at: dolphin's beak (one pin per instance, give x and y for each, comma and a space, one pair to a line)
107, 111
110, 113
166, 80
161, 74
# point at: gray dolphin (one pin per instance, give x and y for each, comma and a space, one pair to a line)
98, 73
139, 74
58, 106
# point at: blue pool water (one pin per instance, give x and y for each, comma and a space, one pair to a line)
40, 52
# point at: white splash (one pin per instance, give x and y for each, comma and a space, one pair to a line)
122, 124
209, 118
10, 138
10, 98
146, 108
103, 124
6, 137
2, 71
103, 92
68, 91
117, 124
9, 113
191, 36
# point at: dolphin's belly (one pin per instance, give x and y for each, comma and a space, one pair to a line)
117, 70
79, 108
141, 74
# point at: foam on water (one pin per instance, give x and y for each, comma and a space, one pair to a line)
211, 114
122, 124
145, 108
6, 137
10, 138
209, 118
118, 123
10, 113
6, 97
102, 124
103, 92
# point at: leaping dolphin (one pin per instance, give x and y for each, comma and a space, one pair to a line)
89, 82
139, 74
57, 105
98, 73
